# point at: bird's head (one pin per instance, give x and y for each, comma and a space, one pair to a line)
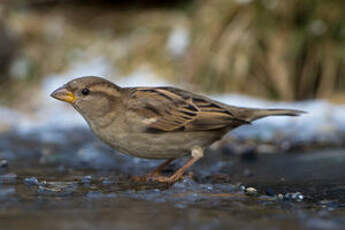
92, 97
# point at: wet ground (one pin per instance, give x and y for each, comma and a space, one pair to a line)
75, 182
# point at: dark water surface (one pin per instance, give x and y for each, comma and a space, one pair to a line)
78, 183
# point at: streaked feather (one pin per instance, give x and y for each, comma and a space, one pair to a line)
177, 110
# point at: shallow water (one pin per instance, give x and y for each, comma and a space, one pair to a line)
79, 183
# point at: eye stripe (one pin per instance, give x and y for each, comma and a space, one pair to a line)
101, 93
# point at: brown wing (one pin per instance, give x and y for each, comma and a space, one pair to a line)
172, 109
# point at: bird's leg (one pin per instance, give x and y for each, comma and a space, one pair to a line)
157, 170
153, 173
197, 153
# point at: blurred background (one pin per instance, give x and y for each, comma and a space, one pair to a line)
274, 49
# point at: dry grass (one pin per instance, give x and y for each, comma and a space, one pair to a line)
281, 49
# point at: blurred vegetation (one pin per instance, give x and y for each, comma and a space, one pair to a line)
287, 50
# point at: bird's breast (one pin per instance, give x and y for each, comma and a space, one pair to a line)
161, 145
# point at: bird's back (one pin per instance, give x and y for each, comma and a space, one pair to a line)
169, 109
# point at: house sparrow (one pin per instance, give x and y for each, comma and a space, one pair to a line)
156, 122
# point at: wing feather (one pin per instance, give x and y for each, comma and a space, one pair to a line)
173, 109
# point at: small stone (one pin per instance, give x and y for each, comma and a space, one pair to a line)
86, 179
3, 163
297, 196
250, 191
31, 181
300, 197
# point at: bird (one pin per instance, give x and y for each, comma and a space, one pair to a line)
156, 122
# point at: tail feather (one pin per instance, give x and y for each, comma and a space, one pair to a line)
250, 115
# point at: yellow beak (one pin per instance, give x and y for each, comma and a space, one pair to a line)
63, 94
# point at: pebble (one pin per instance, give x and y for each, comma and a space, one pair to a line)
250, 191
243, 188
86, 179
300, 197
297, 196
30, 181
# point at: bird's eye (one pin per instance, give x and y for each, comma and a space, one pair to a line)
85, 91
